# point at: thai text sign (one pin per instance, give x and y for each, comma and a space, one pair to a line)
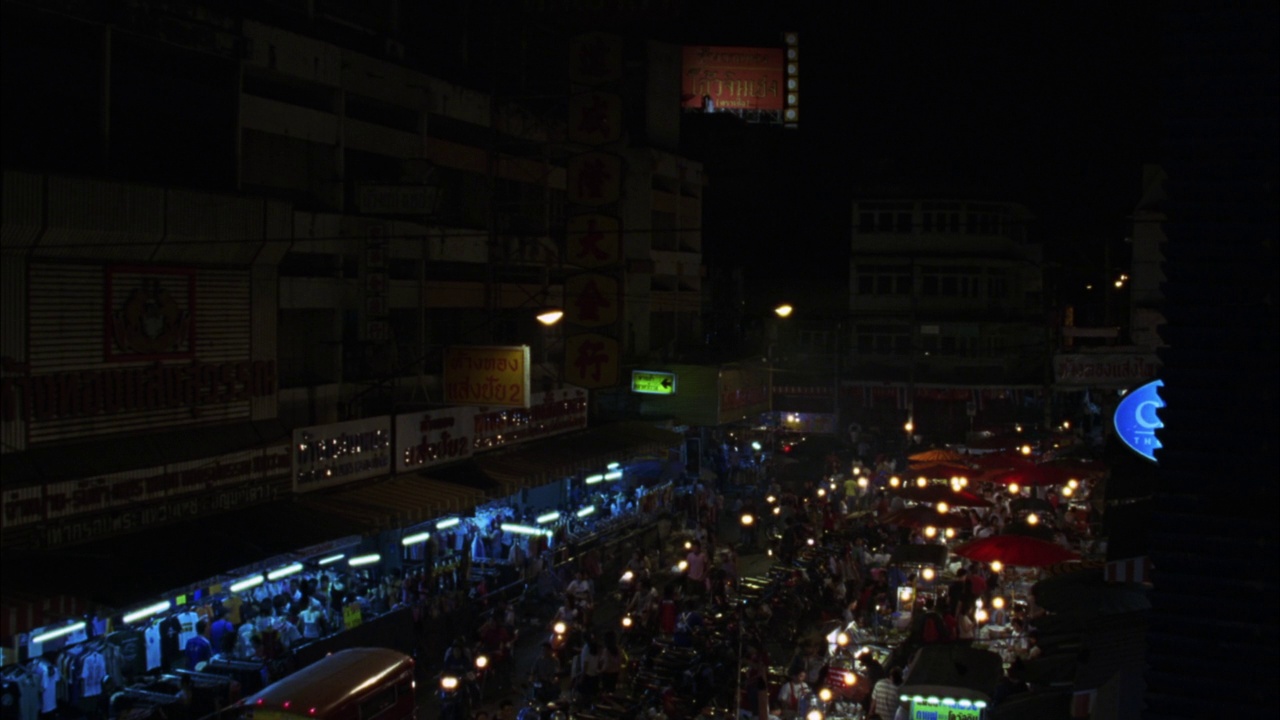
744, 392
487, 376
113, 492
653, 383
1116, 370
740, 78
940, 711
552, 413
435, 437
327, 455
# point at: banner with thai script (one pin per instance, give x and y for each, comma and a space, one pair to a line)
116, 491
435, 437
552, 413
1116, 370
738, 78
328, 455
486, 375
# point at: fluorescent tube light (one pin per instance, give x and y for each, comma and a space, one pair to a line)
364, 560
247, 583
64, 630
415, 538
446, 524
552, 516
146, 612
285, 571
331, 559
586, 511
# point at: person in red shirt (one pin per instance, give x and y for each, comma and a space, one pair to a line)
667, 612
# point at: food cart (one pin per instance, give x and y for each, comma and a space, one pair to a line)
950, 682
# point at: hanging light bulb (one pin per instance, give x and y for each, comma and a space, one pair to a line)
996, 566
943, 507
951, 532
930, 531
1033, 519
922, 481
894, 481
927, 574
997, 602
1014, 488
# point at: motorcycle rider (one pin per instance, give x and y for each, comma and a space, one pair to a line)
544, 676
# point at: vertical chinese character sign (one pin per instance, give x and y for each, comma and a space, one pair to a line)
593, 241
594, 181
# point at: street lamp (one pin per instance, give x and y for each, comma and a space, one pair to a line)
783, 310
548, 317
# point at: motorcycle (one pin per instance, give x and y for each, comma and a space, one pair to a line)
454, 704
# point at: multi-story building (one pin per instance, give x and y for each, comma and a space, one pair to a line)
945, 318
220, 227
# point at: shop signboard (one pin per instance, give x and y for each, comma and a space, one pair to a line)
652, 382
1137, 419
1113, 370
554, 412
593, 240
591, 300
591, 360
928, 709
595, 118
487, 375
142, 347
744, 393
70, 498
328, 455
183, 508
431, 438
733, 78
594, 179
595, 58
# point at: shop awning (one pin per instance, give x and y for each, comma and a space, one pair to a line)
117, 573
586, 451
397, 502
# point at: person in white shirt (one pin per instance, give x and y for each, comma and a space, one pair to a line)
791, 694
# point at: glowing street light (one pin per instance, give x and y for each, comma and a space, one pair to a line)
550, 316
783, 310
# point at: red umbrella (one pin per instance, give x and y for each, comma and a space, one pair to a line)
1015, 550
1033, 475
1000, 461
936, 493
936, 455
919, 516
1000, 442
935, 471
1081, 467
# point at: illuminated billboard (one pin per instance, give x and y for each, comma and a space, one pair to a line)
716, 79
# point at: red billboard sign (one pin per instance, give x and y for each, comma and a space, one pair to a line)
737, 78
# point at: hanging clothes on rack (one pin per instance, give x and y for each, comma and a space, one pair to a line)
170, 641
47, 679
155, 655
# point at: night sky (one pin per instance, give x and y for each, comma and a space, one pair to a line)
1056, 108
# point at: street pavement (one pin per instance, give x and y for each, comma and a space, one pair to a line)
534, 629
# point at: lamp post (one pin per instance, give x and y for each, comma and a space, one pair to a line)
548, 317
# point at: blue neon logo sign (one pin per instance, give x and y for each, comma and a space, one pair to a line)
1137, 421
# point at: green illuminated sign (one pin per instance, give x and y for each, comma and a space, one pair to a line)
944, 711
653, 383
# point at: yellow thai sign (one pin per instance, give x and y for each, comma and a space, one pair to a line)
487, 375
